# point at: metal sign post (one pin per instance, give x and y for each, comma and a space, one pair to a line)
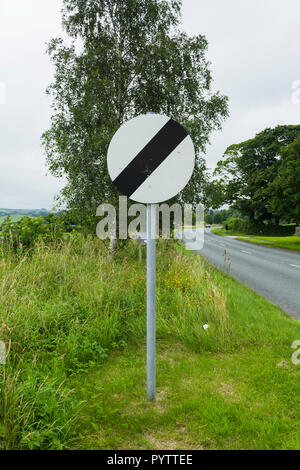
151, 301
150, 159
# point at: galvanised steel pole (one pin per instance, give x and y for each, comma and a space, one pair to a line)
151, 301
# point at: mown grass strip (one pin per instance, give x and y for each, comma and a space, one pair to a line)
288, 243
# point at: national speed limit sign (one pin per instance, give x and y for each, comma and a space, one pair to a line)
151, 158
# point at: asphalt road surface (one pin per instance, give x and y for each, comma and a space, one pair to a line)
273, 273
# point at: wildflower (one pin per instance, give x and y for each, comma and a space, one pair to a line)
206, 326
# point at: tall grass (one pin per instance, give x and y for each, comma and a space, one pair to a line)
65, 307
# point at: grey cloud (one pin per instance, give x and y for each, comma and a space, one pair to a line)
254, 50
25, 27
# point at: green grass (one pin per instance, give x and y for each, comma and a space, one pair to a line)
221, 232
74, 324
240, 400
288, 243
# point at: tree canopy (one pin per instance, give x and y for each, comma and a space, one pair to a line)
248, 170
124, 58
284, 191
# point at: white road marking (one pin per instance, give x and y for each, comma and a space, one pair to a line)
248, 252
295, 266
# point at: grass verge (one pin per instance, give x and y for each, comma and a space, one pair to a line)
74, 326
288, 243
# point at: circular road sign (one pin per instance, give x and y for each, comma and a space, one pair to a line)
151, 158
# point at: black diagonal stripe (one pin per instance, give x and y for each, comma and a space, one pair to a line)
150, 157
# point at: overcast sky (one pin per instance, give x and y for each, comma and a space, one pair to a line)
254, 49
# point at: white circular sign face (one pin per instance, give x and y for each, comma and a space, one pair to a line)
151, 158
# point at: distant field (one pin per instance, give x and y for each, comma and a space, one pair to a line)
14, 217
17, 214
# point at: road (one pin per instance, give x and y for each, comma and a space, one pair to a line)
273, 273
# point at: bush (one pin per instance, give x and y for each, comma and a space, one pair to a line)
27, 231
274, 230
236, 224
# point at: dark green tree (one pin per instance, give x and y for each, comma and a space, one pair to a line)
214, 192
125, 58
248, 169
217, 219
284, 191
208, 217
